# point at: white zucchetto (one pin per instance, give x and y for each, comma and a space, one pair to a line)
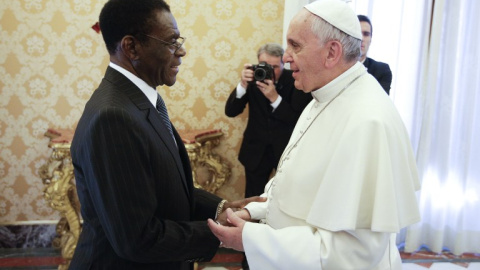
339, 14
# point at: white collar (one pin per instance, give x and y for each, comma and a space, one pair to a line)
149, 92
332, 88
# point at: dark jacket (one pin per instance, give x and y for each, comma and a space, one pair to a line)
381, 72
266, 127
135, 187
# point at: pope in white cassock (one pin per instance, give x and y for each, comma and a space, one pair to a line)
346, 182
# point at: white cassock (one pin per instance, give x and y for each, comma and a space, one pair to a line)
344, 187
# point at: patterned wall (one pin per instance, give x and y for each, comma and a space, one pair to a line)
51, 61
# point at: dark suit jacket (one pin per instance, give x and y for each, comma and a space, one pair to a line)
135, 187
266, 127
381, 72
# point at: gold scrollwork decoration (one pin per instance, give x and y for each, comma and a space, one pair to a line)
60, 194
208, 170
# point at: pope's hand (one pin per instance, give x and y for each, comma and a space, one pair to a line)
230, 237
244, 214
237, 206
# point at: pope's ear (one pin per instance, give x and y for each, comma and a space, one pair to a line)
335, 53
130, 47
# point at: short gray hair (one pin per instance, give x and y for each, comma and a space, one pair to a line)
326, 32
272, 49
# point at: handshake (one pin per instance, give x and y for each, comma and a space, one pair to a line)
229, 224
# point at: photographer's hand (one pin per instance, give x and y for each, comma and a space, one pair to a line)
268, 89
247, 75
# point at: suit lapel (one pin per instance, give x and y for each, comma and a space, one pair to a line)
141, 101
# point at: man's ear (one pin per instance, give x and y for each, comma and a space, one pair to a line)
130, 47
335, 53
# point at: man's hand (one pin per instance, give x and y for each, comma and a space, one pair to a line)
236, 206
223, 217
244, 214
241, 203
247, 75
230, 237
268, 89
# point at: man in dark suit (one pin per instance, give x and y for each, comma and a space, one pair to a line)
133, 177
274, 106
381, 71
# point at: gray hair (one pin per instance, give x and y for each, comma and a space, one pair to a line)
326, 32
272, 49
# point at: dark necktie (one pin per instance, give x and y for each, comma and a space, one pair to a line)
162, 110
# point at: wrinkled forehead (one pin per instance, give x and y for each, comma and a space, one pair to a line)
303, 17
301, 25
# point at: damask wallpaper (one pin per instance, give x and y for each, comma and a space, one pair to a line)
51, 61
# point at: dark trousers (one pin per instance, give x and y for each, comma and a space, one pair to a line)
257, 179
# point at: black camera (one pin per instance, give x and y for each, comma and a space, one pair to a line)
263, 71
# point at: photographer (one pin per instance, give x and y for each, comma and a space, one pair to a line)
274, 108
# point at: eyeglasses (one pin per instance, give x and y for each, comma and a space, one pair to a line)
178, 43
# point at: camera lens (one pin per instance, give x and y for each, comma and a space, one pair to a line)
260, 74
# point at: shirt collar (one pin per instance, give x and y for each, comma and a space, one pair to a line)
149, 92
